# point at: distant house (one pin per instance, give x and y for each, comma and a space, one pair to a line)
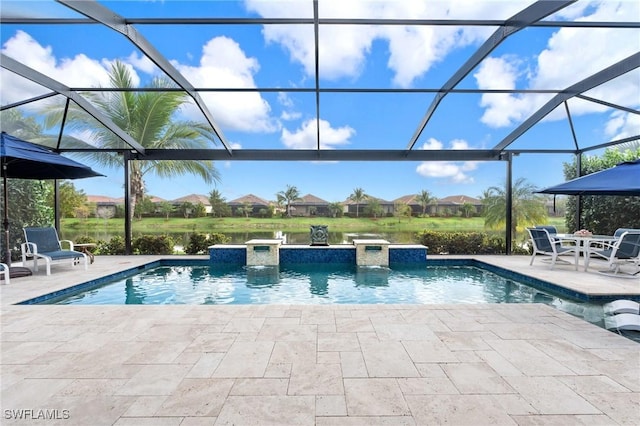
452, 205
411, 200
254, 202
194, 199
310, 205
105, 207
350, 206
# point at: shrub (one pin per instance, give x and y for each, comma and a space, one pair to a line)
461, 243
199, 243
114, 246
153, 244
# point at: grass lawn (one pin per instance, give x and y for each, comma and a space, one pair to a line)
296, 224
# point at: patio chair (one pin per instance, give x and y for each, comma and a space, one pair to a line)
43, 243
4, 270
552, 229
621, 306
624, 250
546, 245
621, 231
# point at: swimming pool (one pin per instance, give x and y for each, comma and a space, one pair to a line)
307, 284
203, 284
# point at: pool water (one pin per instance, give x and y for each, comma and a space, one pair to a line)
313, 284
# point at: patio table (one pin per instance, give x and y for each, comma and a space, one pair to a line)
583, 242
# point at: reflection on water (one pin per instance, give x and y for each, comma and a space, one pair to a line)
324, 284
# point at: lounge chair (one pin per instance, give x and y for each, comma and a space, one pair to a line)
621, 231
4, 270
552, 229
544, 244
623, 322
621, 306
43, 243
624, 250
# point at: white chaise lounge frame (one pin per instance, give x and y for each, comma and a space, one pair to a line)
43, 243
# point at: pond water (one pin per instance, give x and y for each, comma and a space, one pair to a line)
182, 238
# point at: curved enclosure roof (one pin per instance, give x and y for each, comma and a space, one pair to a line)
335, 80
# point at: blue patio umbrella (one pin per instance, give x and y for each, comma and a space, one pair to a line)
623, 179
25, 160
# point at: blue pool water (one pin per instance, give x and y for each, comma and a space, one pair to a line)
314, 284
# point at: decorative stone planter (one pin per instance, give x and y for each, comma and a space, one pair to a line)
319, 235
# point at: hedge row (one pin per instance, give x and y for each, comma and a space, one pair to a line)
464, 243
154, 244
436, 243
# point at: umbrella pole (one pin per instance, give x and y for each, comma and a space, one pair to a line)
5, 222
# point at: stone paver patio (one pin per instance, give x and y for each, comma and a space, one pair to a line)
525, 364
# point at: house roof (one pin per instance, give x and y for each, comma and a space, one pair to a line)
407, 199
194, 199
102, 199
366, 201
310, 199
249, 199
459, 199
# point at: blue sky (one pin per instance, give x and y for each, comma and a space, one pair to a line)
365, 57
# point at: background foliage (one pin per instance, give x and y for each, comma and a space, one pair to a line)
603, 214
23, 195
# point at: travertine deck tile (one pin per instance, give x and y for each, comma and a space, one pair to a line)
268, 386
526, 364
621, 407
457, 410
564, 420
245, 359
388, 359
267, 411
196, 397
154, 380
331, 405
374, 397
549, 395
476, 378
316, 379
353, 365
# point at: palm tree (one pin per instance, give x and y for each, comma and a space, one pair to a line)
425, 199
357, 196
219, 206
528, 207
148, 118
467, 209
335, 208
288, 196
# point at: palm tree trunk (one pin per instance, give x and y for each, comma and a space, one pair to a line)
137, 188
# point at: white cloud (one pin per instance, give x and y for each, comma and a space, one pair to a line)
289, 116
343, 49
224, 64
502, 109
285, 100
456, 172
79, 71
306, 136
622, 125
571, 55
143, 63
